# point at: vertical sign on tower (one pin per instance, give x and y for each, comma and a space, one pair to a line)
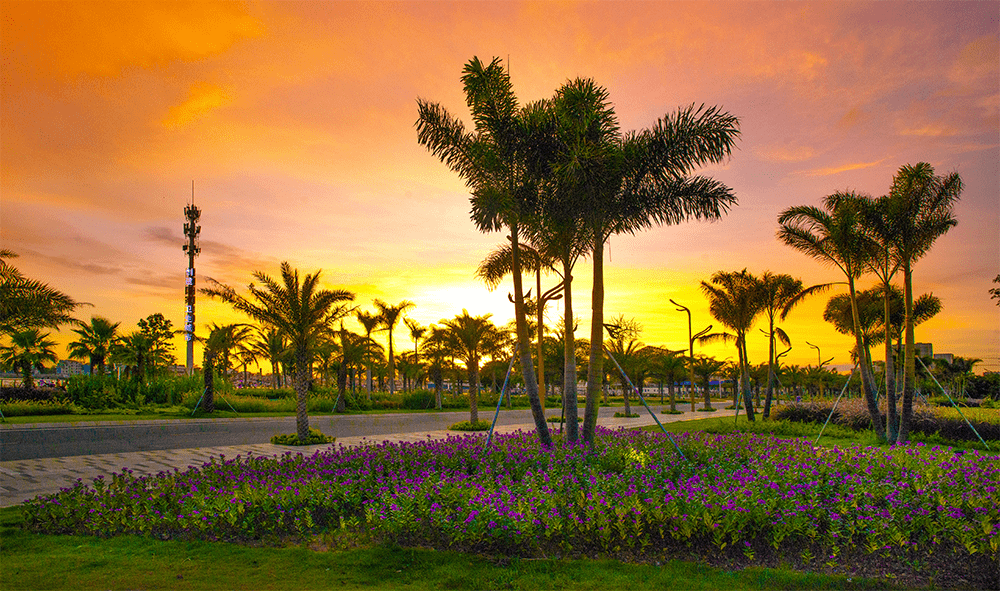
191, 231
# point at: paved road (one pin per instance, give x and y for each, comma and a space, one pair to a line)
57, 440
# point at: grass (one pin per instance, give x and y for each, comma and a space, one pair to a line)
37, 561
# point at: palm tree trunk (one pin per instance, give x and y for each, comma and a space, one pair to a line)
569, 354
770, 373
209, 395
909, 359
595, 371
392, 367
474, 392
866, 378
673, 398
301, 392
541, 332
524, 346
745, 378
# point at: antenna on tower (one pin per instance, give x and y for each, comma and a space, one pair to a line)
191, 231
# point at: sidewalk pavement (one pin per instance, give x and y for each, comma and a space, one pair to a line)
25, 479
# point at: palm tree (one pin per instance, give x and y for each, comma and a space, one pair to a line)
734, 301
94, 343
27, 303
705, 368
29, 349
834, 235
623, 343
436, 347
416, 333
923, 204
666, 365
388, 317
471, 337
494, 162
623, 183
269, 344
369, 322
133, 350
297, 309
779, 293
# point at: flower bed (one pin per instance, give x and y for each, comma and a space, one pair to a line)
741, 497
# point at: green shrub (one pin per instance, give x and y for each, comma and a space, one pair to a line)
558, 419
667, 411
315, 438
30, 394
470, 426
984, 386
621, 415
94, 392
419, 400
32, 408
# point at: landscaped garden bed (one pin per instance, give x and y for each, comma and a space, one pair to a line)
920, 514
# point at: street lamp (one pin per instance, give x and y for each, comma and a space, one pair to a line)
691, 339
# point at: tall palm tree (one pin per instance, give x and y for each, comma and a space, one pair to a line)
924, 203
471, 337
494, 162
94, 343
780, 293
28, 303
834, 235
299, 310
29, 349
388, 317
626, 182
734, 300
416, 333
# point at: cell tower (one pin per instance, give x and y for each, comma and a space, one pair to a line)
191, 231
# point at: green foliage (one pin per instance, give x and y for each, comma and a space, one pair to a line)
621, 415
562, 419
419, 400
984, 386
315, 438
470, 426
24, 408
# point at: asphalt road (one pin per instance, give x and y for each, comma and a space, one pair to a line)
54, 440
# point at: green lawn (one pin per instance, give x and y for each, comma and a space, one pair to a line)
35, 561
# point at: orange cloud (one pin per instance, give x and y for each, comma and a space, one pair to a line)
786, 153
58, 39
202, 99
839, 169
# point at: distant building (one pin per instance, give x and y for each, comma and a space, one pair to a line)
944, 357
924, 349
69, 367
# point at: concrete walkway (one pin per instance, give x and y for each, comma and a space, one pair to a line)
25, 479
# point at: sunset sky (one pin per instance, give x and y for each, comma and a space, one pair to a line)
296, 123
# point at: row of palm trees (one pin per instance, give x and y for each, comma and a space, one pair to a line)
561, 175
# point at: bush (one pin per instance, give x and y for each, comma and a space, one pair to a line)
9, 394
419, 400
94, 392
621, 415
984, 386
32, 408
470, 426
315, 438
558, 419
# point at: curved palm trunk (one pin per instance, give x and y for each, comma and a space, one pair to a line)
866, 378
524, 347
595, 370
301, 393
569, 354
909, 359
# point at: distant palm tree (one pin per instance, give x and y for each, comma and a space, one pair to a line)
834, 235
94, 343
494, 162
29, 349
388, 317
270, 344
369, 322
134, 350
416, 333
923, 203
471, 336
666, 365
623, 343
705, 368
779, 293
734, 300
28, 303
297, 309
